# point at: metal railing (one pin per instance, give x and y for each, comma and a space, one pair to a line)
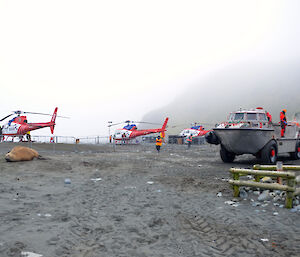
56, 139
93, 140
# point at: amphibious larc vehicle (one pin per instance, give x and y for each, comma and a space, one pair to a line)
250, 132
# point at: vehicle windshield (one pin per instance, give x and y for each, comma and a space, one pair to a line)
251, 116
239, 116
231, 116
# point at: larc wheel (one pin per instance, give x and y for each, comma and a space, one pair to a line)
226, 156
269, 153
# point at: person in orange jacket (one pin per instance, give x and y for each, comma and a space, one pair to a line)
269, 116
158, 143
189, 140
283, 122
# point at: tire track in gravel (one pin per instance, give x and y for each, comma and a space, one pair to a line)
224, 235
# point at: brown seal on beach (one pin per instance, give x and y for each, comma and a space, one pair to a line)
21, 153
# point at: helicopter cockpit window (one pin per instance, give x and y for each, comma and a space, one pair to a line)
251, 116
239, 116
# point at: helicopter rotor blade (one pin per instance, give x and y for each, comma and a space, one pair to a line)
114, 124
178, 125
39, 113
6, 117
145, 122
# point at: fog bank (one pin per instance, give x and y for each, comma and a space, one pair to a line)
273, 86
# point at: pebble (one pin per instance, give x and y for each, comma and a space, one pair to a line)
276, 198
264, 239
272, 194
67, 181
243, 194
264, 196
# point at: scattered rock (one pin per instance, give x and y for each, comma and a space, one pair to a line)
264, 239
243, 194
264, 196
266, 180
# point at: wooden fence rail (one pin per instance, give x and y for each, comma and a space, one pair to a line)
260, 171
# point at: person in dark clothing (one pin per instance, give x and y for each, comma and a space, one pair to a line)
123, 138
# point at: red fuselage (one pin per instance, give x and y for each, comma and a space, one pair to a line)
127, 134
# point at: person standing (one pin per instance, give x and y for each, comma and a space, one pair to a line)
28, 137
283, 121
189, 140
123, 138
158, 143
269, 116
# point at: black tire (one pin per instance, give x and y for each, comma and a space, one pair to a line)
269, 153
226, 156
296, 155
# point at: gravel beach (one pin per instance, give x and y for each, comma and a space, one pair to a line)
128, 200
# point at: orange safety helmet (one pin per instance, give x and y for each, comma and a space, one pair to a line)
284, 110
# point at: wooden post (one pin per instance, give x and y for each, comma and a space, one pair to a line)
273, 167
236, 188
290, 188
279, 168
289, 194
257, 178
262, 173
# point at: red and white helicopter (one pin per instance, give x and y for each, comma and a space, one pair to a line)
130, 131
19, 126
194, 131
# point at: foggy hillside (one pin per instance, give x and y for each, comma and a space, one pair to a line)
271, 86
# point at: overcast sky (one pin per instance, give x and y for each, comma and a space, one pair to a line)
117, 60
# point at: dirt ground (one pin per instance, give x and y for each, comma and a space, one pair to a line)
131, 201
